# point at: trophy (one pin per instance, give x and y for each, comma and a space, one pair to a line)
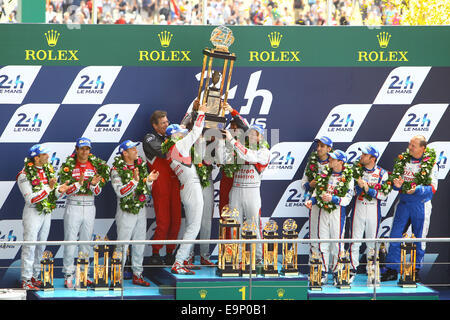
228, 264
47, 271
116, 271
101, 270
315, 273
373, 269
221, 37
270, 250
81, 275
248, 250
407, 264
343, 271
290, 267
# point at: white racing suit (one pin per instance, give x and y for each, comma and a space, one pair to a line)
415, 209
180, 160
36, 226
79, 216
245, 193
314, 212
130, 226
366, 214
331, 224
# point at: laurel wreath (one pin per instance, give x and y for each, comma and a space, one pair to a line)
135, 201
422, 177
358, 171
340, 190
65, 173
47, 205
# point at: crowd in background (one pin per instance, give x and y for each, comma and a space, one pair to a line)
228, 12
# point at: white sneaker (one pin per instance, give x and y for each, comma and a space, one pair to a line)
352, 275
68, 281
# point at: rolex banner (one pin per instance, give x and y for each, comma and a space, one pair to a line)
353, 84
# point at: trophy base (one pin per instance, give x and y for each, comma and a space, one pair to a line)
100, 287
48, 289
247, 274
81, 289
213, 121
407, 284
228, 273
116, 288
315, 288
289, 272
343, 286
270, 273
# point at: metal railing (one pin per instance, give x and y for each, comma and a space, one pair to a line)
125, 243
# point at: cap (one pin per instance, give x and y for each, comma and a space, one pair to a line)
338, 155
175, 128
325, 140
257, 127
83, 142
371, 150
127, 144
36, 150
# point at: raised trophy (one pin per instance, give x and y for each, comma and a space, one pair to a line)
343, 271
101, 270
248, 250
229, 226
270, 250
407, 264
116, 271
81, 274
373, 269
215, 95
290, 267
47, 271
315, 273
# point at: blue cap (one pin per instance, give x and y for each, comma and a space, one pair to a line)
338, 155
83, 142
371, 150
127, 144
325, 140
257, 127
175, 128
36, 150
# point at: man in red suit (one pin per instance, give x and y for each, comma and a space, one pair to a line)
165, 190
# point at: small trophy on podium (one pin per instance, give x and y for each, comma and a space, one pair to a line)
101, 270
270, 250
343, 271
229, 226
315, 273
47, 271
290, 267
222, 38
116, 271
407, 264
373, 269
81, 275
248, 250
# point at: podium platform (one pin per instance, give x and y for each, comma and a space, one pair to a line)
206, 285
130, 292
359, 290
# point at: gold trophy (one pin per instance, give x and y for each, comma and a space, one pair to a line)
81, 275
101, 270
343, 271
270, 250
248, 250
373, 269
116, 271
290, 267
315, 273
407, 264
47, 271
229, 226
221, 38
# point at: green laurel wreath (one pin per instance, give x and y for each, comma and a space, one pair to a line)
358, 171
65, 172
340, 190
47, 205
422, 177
135, 201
